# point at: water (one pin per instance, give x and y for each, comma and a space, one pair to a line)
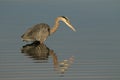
95, 46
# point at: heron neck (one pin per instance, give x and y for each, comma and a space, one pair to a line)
55, 26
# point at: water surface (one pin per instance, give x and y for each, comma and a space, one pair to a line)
95, 45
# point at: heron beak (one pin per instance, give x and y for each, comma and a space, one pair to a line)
70, 26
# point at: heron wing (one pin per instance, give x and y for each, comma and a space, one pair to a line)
38, 32
42, 32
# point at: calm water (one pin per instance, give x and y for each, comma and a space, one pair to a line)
95, 46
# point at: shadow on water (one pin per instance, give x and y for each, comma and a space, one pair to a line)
41, 53
36, 51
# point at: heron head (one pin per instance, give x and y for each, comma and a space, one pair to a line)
67, 22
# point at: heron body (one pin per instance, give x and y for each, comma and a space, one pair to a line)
41, 31
38, 32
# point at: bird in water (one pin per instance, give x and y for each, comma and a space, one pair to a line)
41, 31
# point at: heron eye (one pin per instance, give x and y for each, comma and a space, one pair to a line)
65, 18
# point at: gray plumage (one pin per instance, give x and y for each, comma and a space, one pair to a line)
38, 32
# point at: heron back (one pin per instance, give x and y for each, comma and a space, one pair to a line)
38, 32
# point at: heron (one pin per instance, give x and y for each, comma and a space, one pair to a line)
41, 31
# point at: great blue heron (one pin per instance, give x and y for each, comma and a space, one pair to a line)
41, 31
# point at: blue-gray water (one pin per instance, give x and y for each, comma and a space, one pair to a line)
95, 45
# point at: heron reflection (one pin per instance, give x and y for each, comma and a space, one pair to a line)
41, 53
